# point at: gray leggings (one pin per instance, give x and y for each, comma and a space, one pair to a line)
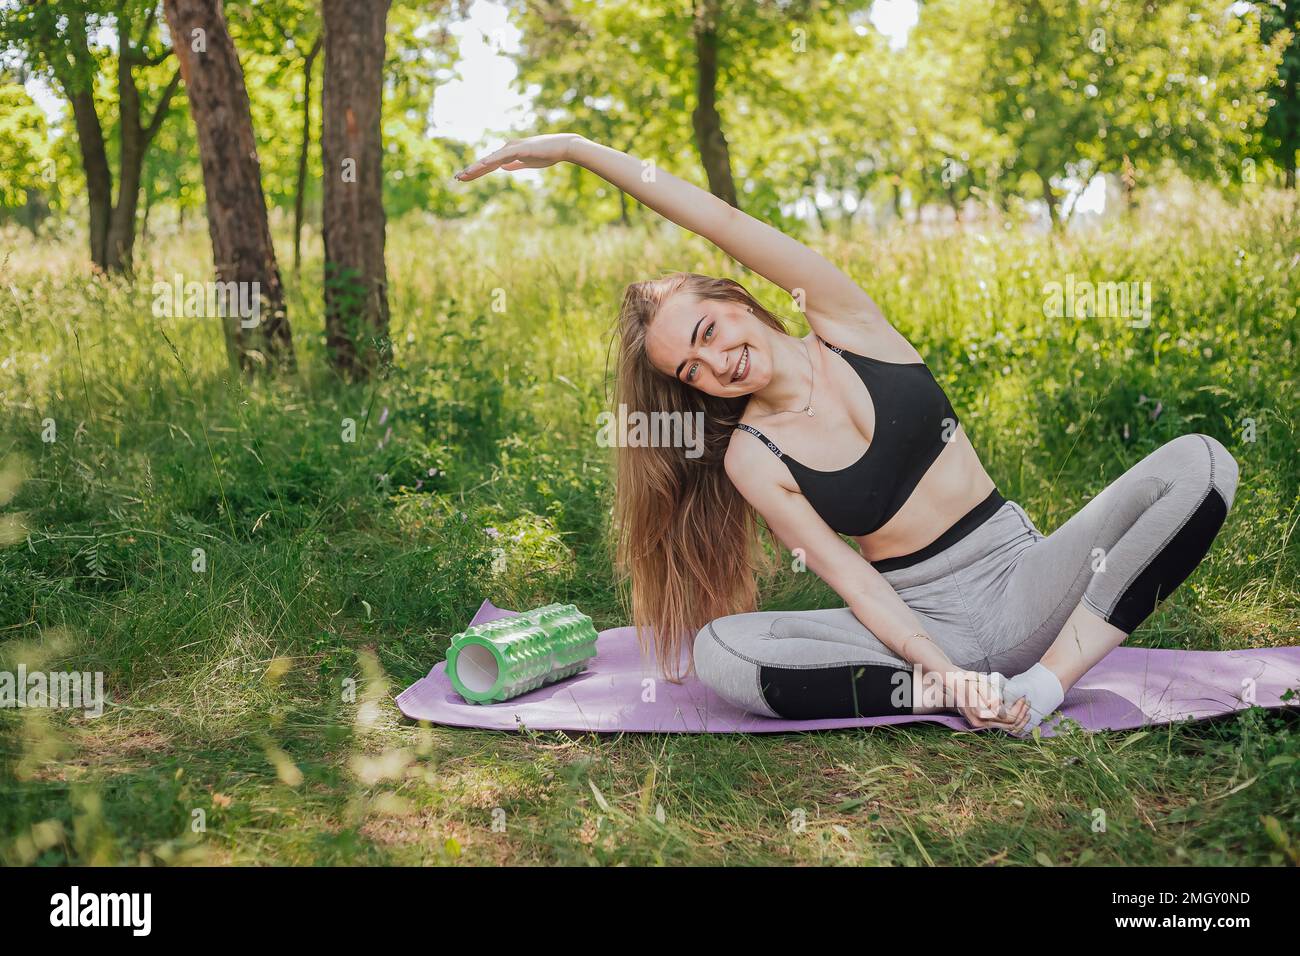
993, 601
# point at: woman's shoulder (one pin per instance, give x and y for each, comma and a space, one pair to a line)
871, 337
743, 453
753, 458
753, 468
740, 450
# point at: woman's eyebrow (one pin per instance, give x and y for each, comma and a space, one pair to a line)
682, 364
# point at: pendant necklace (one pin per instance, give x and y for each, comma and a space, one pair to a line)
807, 409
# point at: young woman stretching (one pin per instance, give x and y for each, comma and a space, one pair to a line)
846, 432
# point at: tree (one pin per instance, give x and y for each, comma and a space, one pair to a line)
949, 153
28, 180
356, 281
709, 138
584, 66
419, 161
693, 81
172, 177
300, 187
1082, 86
1187, 87
1280, 22
56, 39
241, 235
1040, 81
280, 45
287, 34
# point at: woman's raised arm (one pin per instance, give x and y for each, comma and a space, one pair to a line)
828, 297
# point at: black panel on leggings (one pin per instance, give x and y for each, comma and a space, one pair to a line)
1172, 565
841, 690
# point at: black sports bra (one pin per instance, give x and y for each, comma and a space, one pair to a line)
914, 423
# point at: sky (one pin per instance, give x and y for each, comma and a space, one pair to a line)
480, 100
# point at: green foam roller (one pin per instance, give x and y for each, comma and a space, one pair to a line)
502, 659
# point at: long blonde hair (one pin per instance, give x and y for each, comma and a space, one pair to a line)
684, 535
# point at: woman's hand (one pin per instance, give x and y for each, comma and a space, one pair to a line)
978, 700
535, 152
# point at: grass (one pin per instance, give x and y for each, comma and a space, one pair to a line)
251, 716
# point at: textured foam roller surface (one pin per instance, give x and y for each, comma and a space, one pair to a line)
495, 660
620, 692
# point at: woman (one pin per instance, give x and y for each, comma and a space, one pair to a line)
846, 432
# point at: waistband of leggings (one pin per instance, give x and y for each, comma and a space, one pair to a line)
960, 529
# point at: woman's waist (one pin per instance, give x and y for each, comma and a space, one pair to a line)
952, 487
953, 531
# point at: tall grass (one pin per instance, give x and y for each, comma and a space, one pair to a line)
250, 716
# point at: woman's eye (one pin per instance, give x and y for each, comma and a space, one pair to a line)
708, 333
690, 376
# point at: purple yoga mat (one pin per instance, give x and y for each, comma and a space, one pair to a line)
1131, 687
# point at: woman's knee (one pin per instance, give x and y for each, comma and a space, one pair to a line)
1203, 459
1224, 471
724, 668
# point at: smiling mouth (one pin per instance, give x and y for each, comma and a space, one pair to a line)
742, 367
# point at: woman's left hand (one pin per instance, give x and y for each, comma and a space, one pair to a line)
982, 706
535, 152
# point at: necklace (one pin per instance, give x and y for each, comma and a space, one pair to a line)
812, 381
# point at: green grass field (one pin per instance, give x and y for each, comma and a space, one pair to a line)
229, 736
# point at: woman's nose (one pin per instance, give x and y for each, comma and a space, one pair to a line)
716, 359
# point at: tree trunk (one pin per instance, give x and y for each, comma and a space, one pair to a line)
1049, 197
36, 209
300, 189
811, 187
237, 224
709, 139
112, 228
356, 282
144, 218
121, 225
1128, 184
80, 91
955, 203
134, 136
99, 179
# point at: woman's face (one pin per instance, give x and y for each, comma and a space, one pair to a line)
714, 345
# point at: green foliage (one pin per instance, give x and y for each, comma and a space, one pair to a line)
24, 150
1089, 87
275, 40
987, 100
1280, 26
